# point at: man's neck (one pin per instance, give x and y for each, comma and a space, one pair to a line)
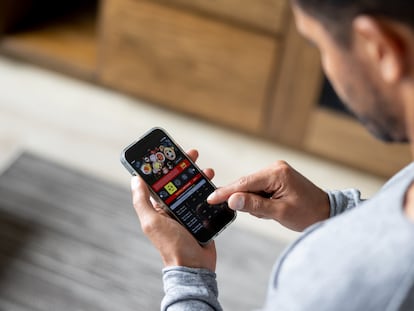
409, 203
408, 97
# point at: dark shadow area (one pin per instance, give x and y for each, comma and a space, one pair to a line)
329, 99
15, 234
17, 16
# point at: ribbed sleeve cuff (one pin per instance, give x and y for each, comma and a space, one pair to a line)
340, 201
190, 287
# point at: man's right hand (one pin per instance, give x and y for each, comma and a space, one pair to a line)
278, 192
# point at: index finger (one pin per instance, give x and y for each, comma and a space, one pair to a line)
192, 154
259, 182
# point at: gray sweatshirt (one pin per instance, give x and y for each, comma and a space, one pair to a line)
359, 259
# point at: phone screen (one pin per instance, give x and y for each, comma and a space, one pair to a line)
179, 183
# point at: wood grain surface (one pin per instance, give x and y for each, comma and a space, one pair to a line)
268, 15
343, 138
68, 45
69, 241
190, 63
296, 90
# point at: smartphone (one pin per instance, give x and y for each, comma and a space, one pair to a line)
177, 184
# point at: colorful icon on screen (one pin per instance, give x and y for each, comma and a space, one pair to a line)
170, 187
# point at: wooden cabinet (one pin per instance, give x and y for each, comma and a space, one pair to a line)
265, 15
191, 63
58, 35
241, 65
336, 136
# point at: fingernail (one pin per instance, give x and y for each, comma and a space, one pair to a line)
134, 182
238, 203
212, 196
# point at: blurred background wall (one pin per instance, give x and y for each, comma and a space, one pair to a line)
79, 80
238, 64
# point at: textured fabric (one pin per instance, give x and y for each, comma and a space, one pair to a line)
189, 289
359, 260
341, 201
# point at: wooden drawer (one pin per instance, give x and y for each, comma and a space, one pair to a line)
342, 138
187, 62
269, 15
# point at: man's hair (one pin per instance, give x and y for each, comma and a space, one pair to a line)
337, 15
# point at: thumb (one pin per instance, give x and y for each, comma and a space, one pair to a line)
141, 197
251, 203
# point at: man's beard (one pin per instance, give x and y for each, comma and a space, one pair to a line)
388, 133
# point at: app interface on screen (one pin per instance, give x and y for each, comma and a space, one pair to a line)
178, 183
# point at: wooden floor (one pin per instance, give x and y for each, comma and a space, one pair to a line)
72, 242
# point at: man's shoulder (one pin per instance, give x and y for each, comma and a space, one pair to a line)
405, 174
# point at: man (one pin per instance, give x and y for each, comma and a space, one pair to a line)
362, 259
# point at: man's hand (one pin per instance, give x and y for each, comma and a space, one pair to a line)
277, 192
175, 244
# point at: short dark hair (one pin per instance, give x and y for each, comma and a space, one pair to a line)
337, 15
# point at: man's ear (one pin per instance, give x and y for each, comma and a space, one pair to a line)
382, 45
